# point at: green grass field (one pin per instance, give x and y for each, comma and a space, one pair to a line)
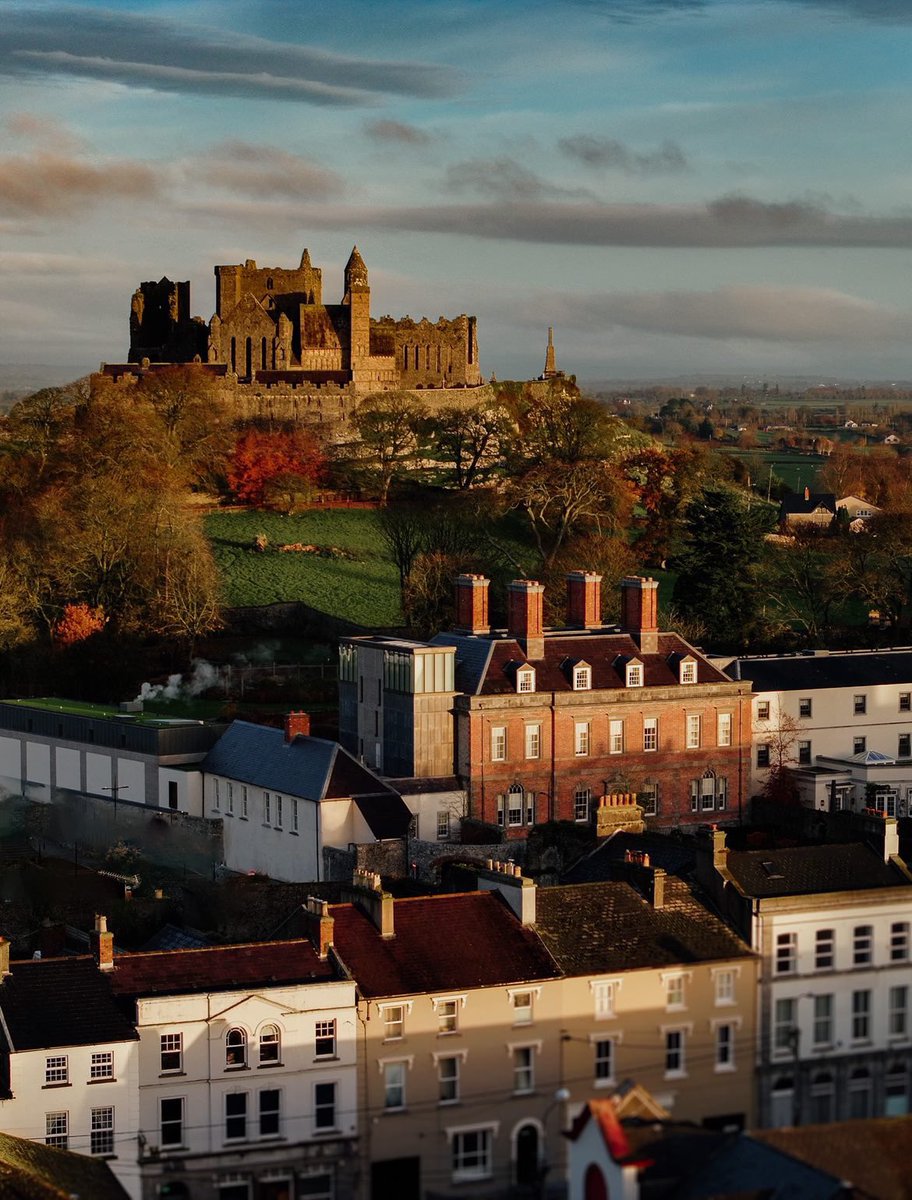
797, 470
363, 589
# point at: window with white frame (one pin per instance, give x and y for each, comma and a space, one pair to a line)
56, 1070
615, 737
763, 754
393, 1022
763, 710
724, 729
324, 1106
172, 1052
824, 949
325, 1039
581, 738
294, 816
522, 1002
785, 1012
650, 733
267, 808
859, 705
674, 992
896, 1090
898, 1025
688, 670
823, 1020
694, 731
216, 795
56, 1129
648, 797
582, 677
861, 1015
278, 812
525, 679
394, 1085
634, 674
236, 1048
171, 1121
863, 945
674, 1052
722, 792
473, 1154
786, 953
270, 1045
245, 799
805, 706
448, 1079
533, 741
235, 1116
443, 825
515, 804
725, 1046
523, 1069
101, 1065
582, 798
229, 807
604, 992
724, 981
447, 1015
603, 1050
270, 1112
899, 941
498, 743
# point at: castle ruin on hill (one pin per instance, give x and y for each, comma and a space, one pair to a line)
272, 328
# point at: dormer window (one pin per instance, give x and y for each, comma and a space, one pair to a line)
688, 670
525, 679
582, 677
634, 674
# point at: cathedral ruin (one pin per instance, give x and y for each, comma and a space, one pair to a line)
272, 330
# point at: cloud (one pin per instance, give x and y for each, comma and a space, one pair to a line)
53, 185
151, 52
264, 172
397, 131
610, 154
753, 313
44, 131
503, 178
889, 11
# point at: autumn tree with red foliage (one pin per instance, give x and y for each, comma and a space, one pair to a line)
260, 458
79, 621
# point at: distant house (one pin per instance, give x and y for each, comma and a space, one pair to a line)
857, 511
808, 510
891, 440
283, 795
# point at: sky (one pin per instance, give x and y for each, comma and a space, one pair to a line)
679, 187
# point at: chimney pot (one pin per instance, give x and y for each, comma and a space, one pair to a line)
102, 943
584, 600
297, 724
472, 604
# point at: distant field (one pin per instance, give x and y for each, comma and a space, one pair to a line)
363, 589
797, 470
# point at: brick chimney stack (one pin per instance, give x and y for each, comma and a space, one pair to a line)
320, 925
102, 943
639, 611
297, 724
472, 604
524, 616
584, 600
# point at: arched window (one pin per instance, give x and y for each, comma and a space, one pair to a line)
269, 284
896, 1090
515, 795
270, 1044
860, 1094
823, 1096
263, 355
249, 358
234, 354
782, 1102
527, 1155
236, 1048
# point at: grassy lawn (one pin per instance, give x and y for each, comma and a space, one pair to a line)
363, 589
797, 470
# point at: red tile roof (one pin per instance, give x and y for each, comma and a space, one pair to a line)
171, 972
607, 655
441, 944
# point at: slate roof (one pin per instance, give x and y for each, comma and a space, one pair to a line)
55, 1002
214, 968
795, 503
591, 928
677, 858
387, 816
806, 672
443, 943
745, 1166
811, 870
873, 1154
32, 1171
309, 767
488, 666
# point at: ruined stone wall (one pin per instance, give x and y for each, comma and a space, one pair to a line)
161, 327
444, 354
232, 282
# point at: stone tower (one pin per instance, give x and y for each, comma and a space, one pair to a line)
357, 297
550, 370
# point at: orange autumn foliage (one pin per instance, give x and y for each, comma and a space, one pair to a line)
79, 621
260, 457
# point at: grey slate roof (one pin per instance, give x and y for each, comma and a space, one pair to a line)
386, 816
56, 1002
594, 927
472, 657
677, 858
805, 672
308, 767
748, 1167
811, 870
796, 502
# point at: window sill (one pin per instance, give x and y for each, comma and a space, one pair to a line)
448, 1103
725, 1068
293, 833
236, 1067
675, 1075
243, 818
171, 1074
50, 1087
604, 1083
268, 1066
326, 1058
395, 1112
106, 1079
334, 1132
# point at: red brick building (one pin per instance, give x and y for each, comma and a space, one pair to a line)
549, 721
538, 724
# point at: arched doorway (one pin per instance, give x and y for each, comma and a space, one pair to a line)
594, 1185
527, 1155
